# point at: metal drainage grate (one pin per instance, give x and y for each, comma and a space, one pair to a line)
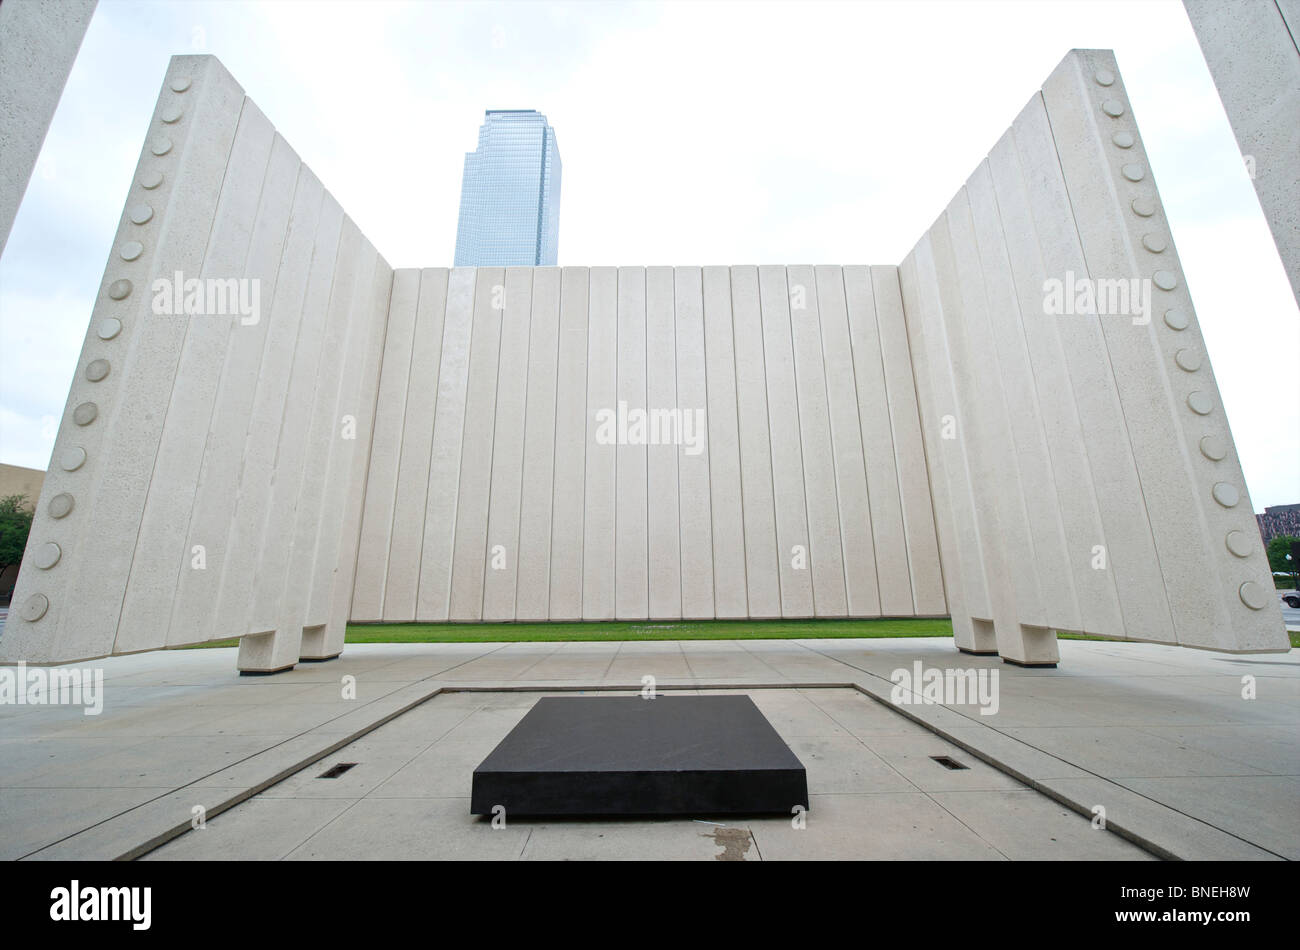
948, 762
337, 770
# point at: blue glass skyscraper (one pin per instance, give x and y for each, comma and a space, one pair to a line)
510, 193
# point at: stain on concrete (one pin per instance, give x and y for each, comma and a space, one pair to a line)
734, 842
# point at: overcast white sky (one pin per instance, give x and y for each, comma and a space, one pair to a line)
733, 133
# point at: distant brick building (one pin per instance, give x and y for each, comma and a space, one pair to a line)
1279, 519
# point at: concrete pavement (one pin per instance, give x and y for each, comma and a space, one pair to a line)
1163, 739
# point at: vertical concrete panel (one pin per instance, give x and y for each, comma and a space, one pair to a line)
196, 609
503, 553
476, 447
794, 554
1192, 501
314, 519
326, 640
569, 502
1131, 554
342, 451
433, 598
1024, 418
849, 332
762, 576
288, 490
693, 455
1074, 490
726, 506
664, 528
954, 417
532, 593
379, 507
945, 518
944, 426
598, 551
978, 530
417, 441
631, 579
76, 603
284, 313
1014, 594
910, 456
161, 552
821, 483
851, 480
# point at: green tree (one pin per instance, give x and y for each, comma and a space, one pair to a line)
1278, 549
15, 523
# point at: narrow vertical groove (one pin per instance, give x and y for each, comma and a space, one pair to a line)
803, 469
835, 469
433, 441
740, 457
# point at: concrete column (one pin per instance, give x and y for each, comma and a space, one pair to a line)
39, 40
1252, 54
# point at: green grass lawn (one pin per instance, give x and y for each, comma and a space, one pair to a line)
642, 630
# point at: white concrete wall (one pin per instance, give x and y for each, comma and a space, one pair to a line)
1086, 480
1250, 47
527, 516
39, 40
202, 485
427, 445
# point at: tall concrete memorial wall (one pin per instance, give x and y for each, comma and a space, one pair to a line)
1083, 472
646, 443
311, 436
207, 475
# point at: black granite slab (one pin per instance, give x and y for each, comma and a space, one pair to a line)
627, 755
